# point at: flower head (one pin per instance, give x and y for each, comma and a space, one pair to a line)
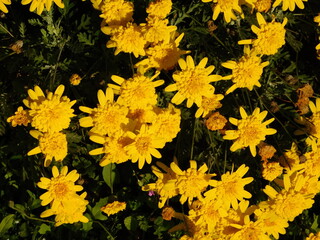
251, 130
159, 8
192, 82
262, 5
247, 72
116, 12
20, 117
52, 145
313, 236
49, 113
75, 79
39, 5
209, 104
215, 121
114, 207
271, 170
227, 7
289, 4
271, 36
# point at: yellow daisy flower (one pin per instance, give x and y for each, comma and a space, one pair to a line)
191, 182
114, 207
51, 113
157, 30
144, 146
271, 170
313, 236
163, 56
52, 145
137, 92
39, 5
60, 187
247, 72
227, 7
289, 4
159, 8
128, 39
209, 104
192, 82
20, 117
271, 36
108, 117
215, 121
75, 79
3, 7
251, 130
250, 231
262, 5
116, 12
231, 187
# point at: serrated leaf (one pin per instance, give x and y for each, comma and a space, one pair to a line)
131, 223
109, 175
6, 224
85, 39
44, 228
96, 212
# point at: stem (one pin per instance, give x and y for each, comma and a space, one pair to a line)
192, 143
106, 230
6, 30
56, 66
31, 218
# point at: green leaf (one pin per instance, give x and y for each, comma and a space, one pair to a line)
6, 224
109, 175
96, 212
131, 223
44, 228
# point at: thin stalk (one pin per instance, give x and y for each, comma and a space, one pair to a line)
106, 230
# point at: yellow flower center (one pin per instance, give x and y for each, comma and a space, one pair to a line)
143, 144
251, 132
60, 189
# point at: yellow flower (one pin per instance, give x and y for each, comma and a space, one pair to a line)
163, 56
144, 146
128, 39
52, 145
116, 12
108, 117
75, 79
192, 82
250, 231
271, 36
266, 151
247, 72
69, 211
137, 92
3, 7
227, 7
271, 170
209, 104
313, 236
51, 113
231, 187
159, 8
289, 4
168, 213
262, 5
39, 5
316, 19
113, 148
20, 117
216, 121
312, 159
251, 130
191, 182
114, 207
165, 184
156, 30
60, 187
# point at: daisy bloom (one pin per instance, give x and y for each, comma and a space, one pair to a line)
60, 187
75, 79
3, 7
289, 4
137, 92
162, 56
39, 5
114, 148
231, 187
266, 151
191, 182
20, 117
159, 8
249, 231
313, 236
165, 185
251, 130
271, 170
114, 207
128, 39
227, 7
271, 36
192, 82
157, 30
246, 72
108, 117
262, 5
144, 146
209, 104
52, 145
116, 12
215, 121
49, 113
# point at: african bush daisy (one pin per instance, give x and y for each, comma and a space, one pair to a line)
313, 236
227, 7
159, 8
246, 72
289, 4
209, 104
251, 130
157, 30
114, 207
192, 82
49, 113
20, 117
39, 5
52, 145
116, 12
271, 36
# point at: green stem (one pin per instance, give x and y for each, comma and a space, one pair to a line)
192, 143
31, 218
6, 30
106, 230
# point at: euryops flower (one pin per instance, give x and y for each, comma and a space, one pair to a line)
227, 7
20, 117
114, 207
289, 4
40, 5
